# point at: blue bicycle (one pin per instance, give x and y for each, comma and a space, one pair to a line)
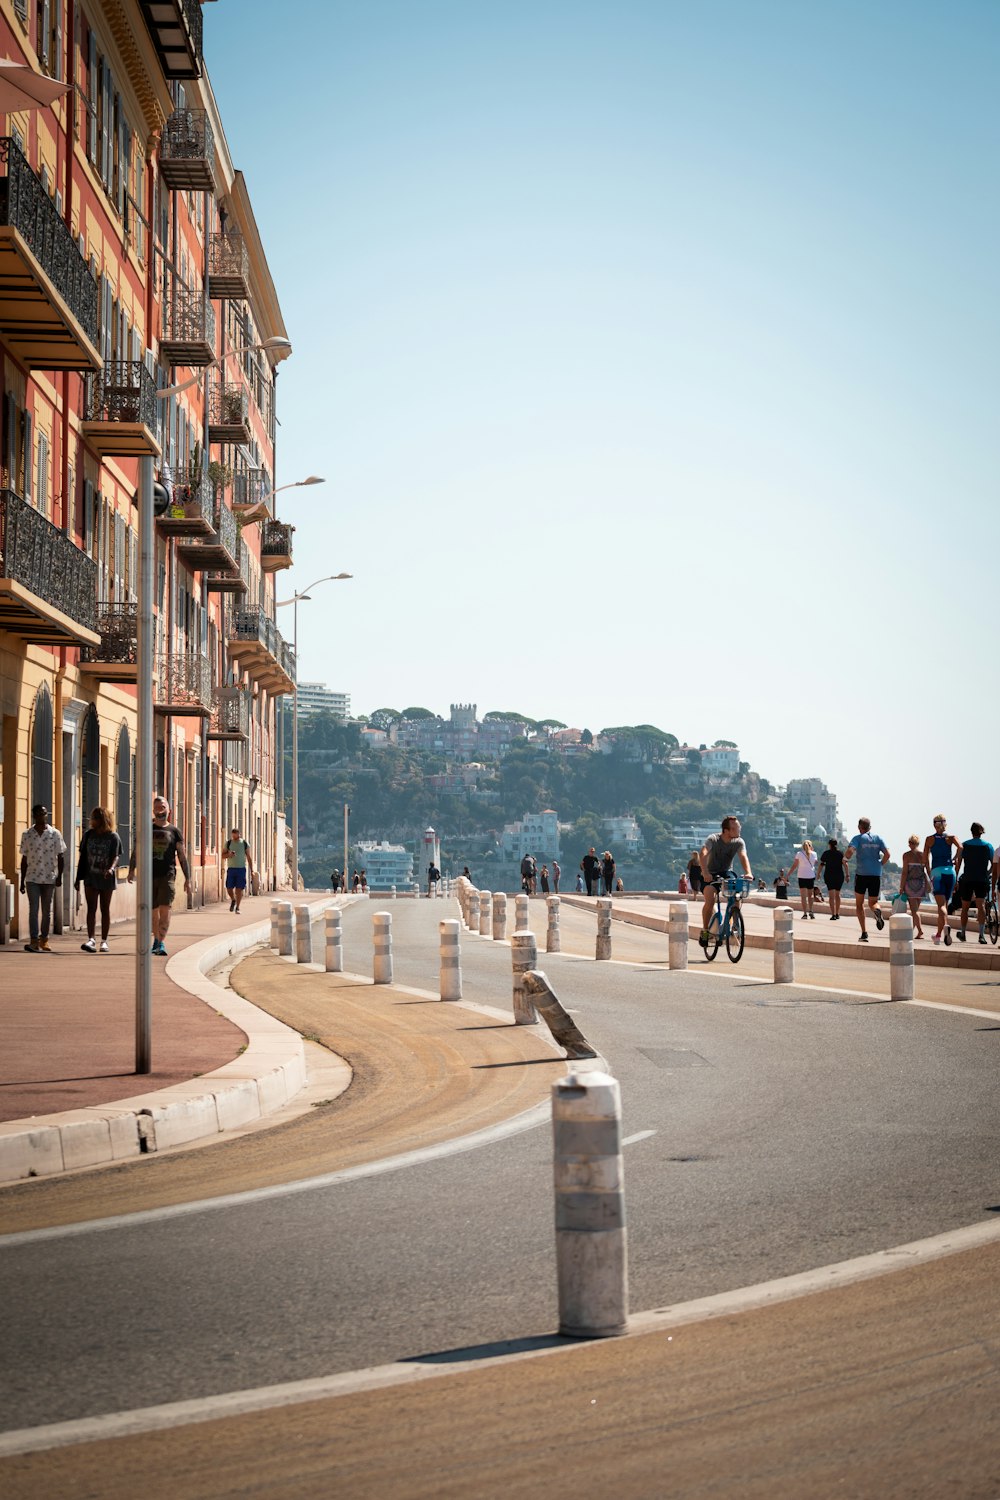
728, 926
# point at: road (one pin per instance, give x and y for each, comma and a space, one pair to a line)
780, 1130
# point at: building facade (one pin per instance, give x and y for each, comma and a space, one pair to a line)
138, 319
317, 698
385, 865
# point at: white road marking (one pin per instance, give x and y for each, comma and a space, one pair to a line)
640, 1135
294, 1393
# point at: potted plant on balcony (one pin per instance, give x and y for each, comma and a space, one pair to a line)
232, 407
220, 474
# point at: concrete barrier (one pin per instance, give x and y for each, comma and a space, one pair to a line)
451, 959
472, 920
677, 935
334, 945
275, 918
784, 945
303, 936
382, 934
521, 922
499, 917
553, 942
591, 1238
603, 946
559, 1021
523, 956
901, 970
286, 929
485, 914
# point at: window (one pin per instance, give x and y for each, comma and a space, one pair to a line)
41, 749
90, 762
123, 791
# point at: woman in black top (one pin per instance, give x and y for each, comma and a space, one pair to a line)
608, 870
832, 864
100, 856
696, 879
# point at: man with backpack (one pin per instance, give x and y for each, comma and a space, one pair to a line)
236, 853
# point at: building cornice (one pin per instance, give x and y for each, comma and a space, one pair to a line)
142, 66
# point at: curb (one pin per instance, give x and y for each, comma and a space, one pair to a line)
267, 1074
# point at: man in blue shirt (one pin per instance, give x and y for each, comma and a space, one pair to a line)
972, 866
872, 855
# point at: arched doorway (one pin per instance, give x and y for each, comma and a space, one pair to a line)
90, 763
41, 749
123, 790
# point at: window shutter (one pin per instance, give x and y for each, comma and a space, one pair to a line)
88, 518
93, 89
122, 173
107, 124
27, 456
121, 561
57, 61
43, 473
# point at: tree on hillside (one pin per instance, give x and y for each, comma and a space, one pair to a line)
724, 745
384, 718
418, 713
550, 724
586, 738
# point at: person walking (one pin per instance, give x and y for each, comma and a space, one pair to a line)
237, 854
872, 853
716, 858
543, 876
529, 873
168, 852
781, 885
335, 881
915, 881
579, 882
42, 862
696, 881
940, 850
591, 867
100, 855
972, 866
556, 872
832, 865
804, 866
433, 876
608, 871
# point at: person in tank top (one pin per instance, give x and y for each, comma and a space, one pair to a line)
915, 881
940, 848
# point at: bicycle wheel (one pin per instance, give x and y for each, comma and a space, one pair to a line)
712, 941
735, 936
992, 921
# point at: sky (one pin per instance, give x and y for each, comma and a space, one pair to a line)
650, 352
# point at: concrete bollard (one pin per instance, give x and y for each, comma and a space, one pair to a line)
591, 1238
392, 896
901, 970
784, 945
334, 942
521, 904
523, 956
561, 1024
303, 936
382, 933
499, 917
451, 960
603, 949
677, 935
472, 917
415, 890
275, 912
286, 940
552, 939
485, 914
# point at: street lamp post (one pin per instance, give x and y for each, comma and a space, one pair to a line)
294, 602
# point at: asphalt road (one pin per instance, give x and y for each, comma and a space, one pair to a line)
788, 1131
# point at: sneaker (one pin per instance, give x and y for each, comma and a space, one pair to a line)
89, 946
32, 947
804, 917
960, 934
879, 920
812, 916
936, 938
159, 950
982, 938
833, 919
947, 937
104, 948
703, 940
232, 905
863, 938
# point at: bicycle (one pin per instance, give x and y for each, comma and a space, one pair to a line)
728, 926
992, 920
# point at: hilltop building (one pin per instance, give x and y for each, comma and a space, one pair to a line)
385, 864
810, 798
534, 833
316, 698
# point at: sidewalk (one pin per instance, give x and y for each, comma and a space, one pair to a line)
67, 1021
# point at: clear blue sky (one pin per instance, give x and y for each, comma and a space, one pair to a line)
651, 352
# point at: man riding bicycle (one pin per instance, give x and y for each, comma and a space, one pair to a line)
716, 858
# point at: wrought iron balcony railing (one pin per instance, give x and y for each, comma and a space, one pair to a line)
230, 714
229, 413
188, 334
275, 546
33, 327
187, 151
228, 265
253, 626
120, 410
117, 655
227, 533
250, 490
182, 684
191, 511
44, 561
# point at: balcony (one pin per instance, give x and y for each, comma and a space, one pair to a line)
191, 510
220, 550
188, 333
227, 581
176, 29
120, 413
48, 587
116, 657
230, 715
48, 296
182, 685
275, 546
229, 413
228, 266
187, 152
255, 644
251, 495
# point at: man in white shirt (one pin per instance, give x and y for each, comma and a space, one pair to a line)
42, 859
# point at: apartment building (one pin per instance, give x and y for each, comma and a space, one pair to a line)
317, 698
138, 319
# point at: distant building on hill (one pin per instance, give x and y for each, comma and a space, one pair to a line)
386, 864
624, 835
535, 833
316, 698
812, 800
460, 737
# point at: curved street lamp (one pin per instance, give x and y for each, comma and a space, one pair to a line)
302, 594
273, 345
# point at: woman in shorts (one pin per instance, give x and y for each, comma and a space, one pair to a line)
940, 849
804, 866
832, 864
915, 881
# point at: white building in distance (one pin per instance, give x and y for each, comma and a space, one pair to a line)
317, 698
535, 833
385, 864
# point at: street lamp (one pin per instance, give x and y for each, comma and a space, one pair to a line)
274, 345
279, 603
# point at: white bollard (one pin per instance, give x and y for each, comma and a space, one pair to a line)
677, 935
603, 949
552, 939
591, 1238
416, 890
499, 917
393, 893
472, 916
901, 970
303, 936
485, 914
286, 939
784, 945
382, 933
521, 923
334, 943
451, 960
523, 956
275, 912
